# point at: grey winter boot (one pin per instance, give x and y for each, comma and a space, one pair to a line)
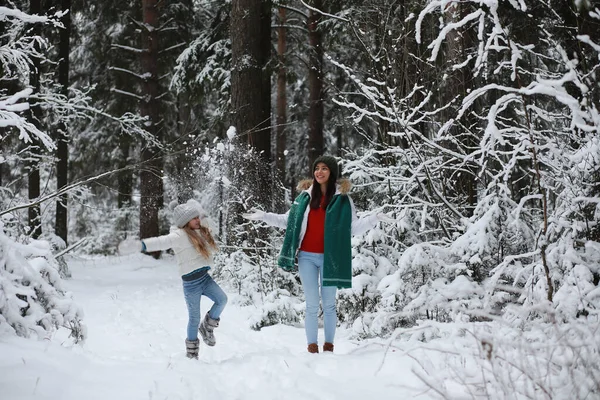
192, 348
206, 330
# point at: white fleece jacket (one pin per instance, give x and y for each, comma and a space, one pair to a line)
359, 225
188, 258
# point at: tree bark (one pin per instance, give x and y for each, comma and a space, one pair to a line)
151, 185
124, 178
281, 96
184, 161
461, 81
34, 217
281, 108
315, 85
251, 85
62, 152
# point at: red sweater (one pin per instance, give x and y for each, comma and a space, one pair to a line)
314, 238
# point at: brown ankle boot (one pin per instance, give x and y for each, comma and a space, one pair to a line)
328, 346
313, 348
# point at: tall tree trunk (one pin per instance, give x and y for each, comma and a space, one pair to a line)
184, 160
62, 152
7, 86
250, 83
315, 85
461, 80
35, 226
151, 186
124, 178
281, 103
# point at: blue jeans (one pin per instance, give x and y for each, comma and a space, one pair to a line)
192, 291
310, 268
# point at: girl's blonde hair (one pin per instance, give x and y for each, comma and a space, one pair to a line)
201, 239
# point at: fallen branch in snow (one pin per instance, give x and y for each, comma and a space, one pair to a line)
71, 247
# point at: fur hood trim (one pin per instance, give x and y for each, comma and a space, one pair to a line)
343, 185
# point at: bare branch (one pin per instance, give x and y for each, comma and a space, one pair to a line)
128, 48
127, 93
293, 9
324, 13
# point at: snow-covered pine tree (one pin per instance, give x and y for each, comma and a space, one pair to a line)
202, 71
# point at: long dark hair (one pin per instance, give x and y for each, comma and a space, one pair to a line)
201, 239
316, 193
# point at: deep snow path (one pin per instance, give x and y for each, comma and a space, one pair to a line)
136, 318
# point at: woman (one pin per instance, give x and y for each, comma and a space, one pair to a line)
193, 245
319, 226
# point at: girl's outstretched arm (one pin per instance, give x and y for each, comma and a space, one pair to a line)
164, 242
130, 246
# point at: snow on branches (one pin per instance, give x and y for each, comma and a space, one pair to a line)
15, 62
489, 158
33, 301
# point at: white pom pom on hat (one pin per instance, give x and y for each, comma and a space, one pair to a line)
184, 213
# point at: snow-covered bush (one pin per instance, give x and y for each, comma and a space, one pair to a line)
361, 306
258, 281
510, 358
278, 307
33, 301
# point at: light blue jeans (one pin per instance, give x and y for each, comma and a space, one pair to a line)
192, 291
310, 268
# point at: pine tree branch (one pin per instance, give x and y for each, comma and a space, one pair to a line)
128, 48
287, 26
293, 9
162, 27
140, 98
176, 46
324, 13
129, 72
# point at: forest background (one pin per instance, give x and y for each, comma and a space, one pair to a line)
474, 125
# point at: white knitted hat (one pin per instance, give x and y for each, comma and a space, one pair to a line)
184, 213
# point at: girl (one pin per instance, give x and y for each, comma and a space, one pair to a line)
318, 230
193, 245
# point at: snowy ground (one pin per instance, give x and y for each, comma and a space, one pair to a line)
136, 317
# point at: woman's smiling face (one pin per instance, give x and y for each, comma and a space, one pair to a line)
321, 173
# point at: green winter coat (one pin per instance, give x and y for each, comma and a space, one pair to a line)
337, 264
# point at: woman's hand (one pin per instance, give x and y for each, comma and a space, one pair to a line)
254, 215
130, 246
